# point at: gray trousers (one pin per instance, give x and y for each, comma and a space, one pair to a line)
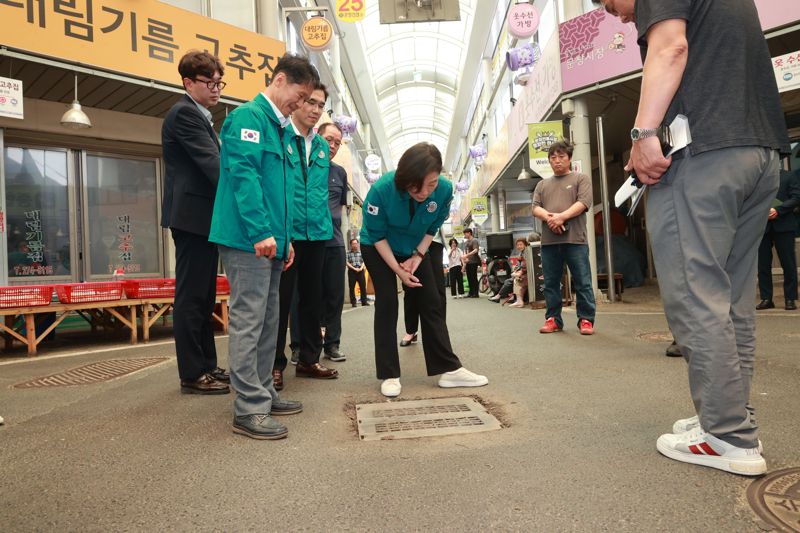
252, 328
706, 219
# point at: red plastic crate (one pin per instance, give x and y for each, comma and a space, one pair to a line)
100, 291
150, 288
25, 296
223, 287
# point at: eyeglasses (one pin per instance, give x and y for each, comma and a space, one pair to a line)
211, 84
314, 103
332, 141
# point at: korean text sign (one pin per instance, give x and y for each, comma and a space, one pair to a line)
540, 137
143, 38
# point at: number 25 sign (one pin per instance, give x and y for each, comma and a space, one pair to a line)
350, 10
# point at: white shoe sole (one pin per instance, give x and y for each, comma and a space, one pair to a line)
745, 467
391, 393
452, 384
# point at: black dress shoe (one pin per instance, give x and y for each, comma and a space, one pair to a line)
205, 384
765, 304
262, 427
405, 343
277, 379
365, 304
790, 305
220, 374
285, 407
673, 350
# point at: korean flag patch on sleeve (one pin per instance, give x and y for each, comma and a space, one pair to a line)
372, 209
251, 136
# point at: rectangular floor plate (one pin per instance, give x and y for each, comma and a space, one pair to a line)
423, 418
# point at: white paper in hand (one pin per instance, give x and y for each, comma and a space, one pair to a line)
680, 137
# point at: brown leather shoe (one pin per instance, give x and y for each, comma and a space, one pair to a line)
316, 371
277, 379
205, 384
220, 374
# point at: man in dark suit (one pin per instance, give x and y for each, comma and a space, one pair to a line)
191, 157
781, 229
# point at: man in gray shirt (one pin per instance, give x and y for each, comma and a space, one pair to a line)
707, 205
561, 203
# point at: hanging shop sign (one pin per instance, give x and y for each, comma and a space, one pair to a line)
787, 71
11, 98
372, 162
540, 137
317, 33
142, 38
458, 231
523, 20
479, 207
350, 10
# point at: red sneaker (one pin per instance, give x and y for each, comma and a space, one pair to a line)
550, 326
586, 327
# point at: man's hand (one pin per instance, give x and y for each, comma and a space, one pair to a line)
290, 260
556, 220
773, 214
266, 248
410, 265
408, 279
648, 161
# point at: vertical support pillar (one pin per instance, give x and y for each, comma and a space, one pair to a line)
607, 246
501, 202
271, 21
494, 210
579, 134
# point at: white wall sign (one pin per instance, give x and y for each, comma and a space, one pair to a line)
787, 71
11, 98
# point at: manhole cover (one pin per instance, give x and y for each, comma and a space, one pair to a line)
655, 336
423, 418
92, 373
776, 498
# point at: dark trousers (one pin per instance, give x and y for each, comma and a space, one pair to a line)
576, 256
410, 312
456, 280
306, 272
472, 278
196, 262
784, 246
354, 277
428, 300
333, 294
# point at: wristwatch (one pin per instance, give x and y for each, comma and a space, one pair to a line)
417, 253
641, 133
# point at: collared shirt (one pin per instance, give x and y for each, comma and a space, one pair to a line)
206, 113
355, 259
283, 120
308, 139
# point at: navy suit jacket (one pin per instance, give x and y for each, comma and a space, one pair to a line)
191, 158
789, 194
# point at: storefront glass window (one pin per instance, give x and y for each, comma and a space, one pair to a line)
240, 13
190, 5
121, 216
37, 213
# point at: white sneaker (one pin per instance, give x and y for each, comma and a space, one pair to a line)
462, 378
495, 298
698, 447
685, 424
391, 387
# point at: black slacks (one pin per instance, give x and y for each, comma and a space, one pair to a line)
428, 301
354, 277
410, 312
472, 278
456, 280
784, 246
333, 294
196, 262
306, 272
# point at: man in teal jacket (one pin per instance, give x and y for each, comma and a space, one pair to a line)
310, 229
252, 223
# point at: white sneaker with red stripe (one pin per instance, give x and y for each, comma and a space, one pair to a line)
687, 424
698, 447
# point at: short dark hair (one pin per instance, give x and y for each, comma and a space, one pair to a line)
468, 230
451, 241
323, 128
560, 147
353, 240
523, 241
415, 164
298, 69
321, 87
195, 62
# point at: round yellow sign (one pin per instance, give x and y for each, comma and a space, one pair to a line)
317, 33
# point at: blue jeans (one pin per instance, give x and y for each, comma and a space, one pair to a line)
576, 256
252, 328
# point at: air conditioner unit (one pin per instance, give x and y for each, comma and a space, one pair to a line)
402, 11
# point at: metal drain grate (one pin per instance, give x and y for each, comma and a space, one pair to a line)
92, 373
423, 418
775, 498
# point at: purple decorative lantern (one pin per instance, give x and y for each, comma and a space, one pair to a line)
347, 125
372, 177
462, 186
523, 57
478, 153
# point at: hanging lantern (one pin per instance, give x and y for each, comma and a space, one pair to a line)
462, 186
372, 177
347, 125
524, 56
